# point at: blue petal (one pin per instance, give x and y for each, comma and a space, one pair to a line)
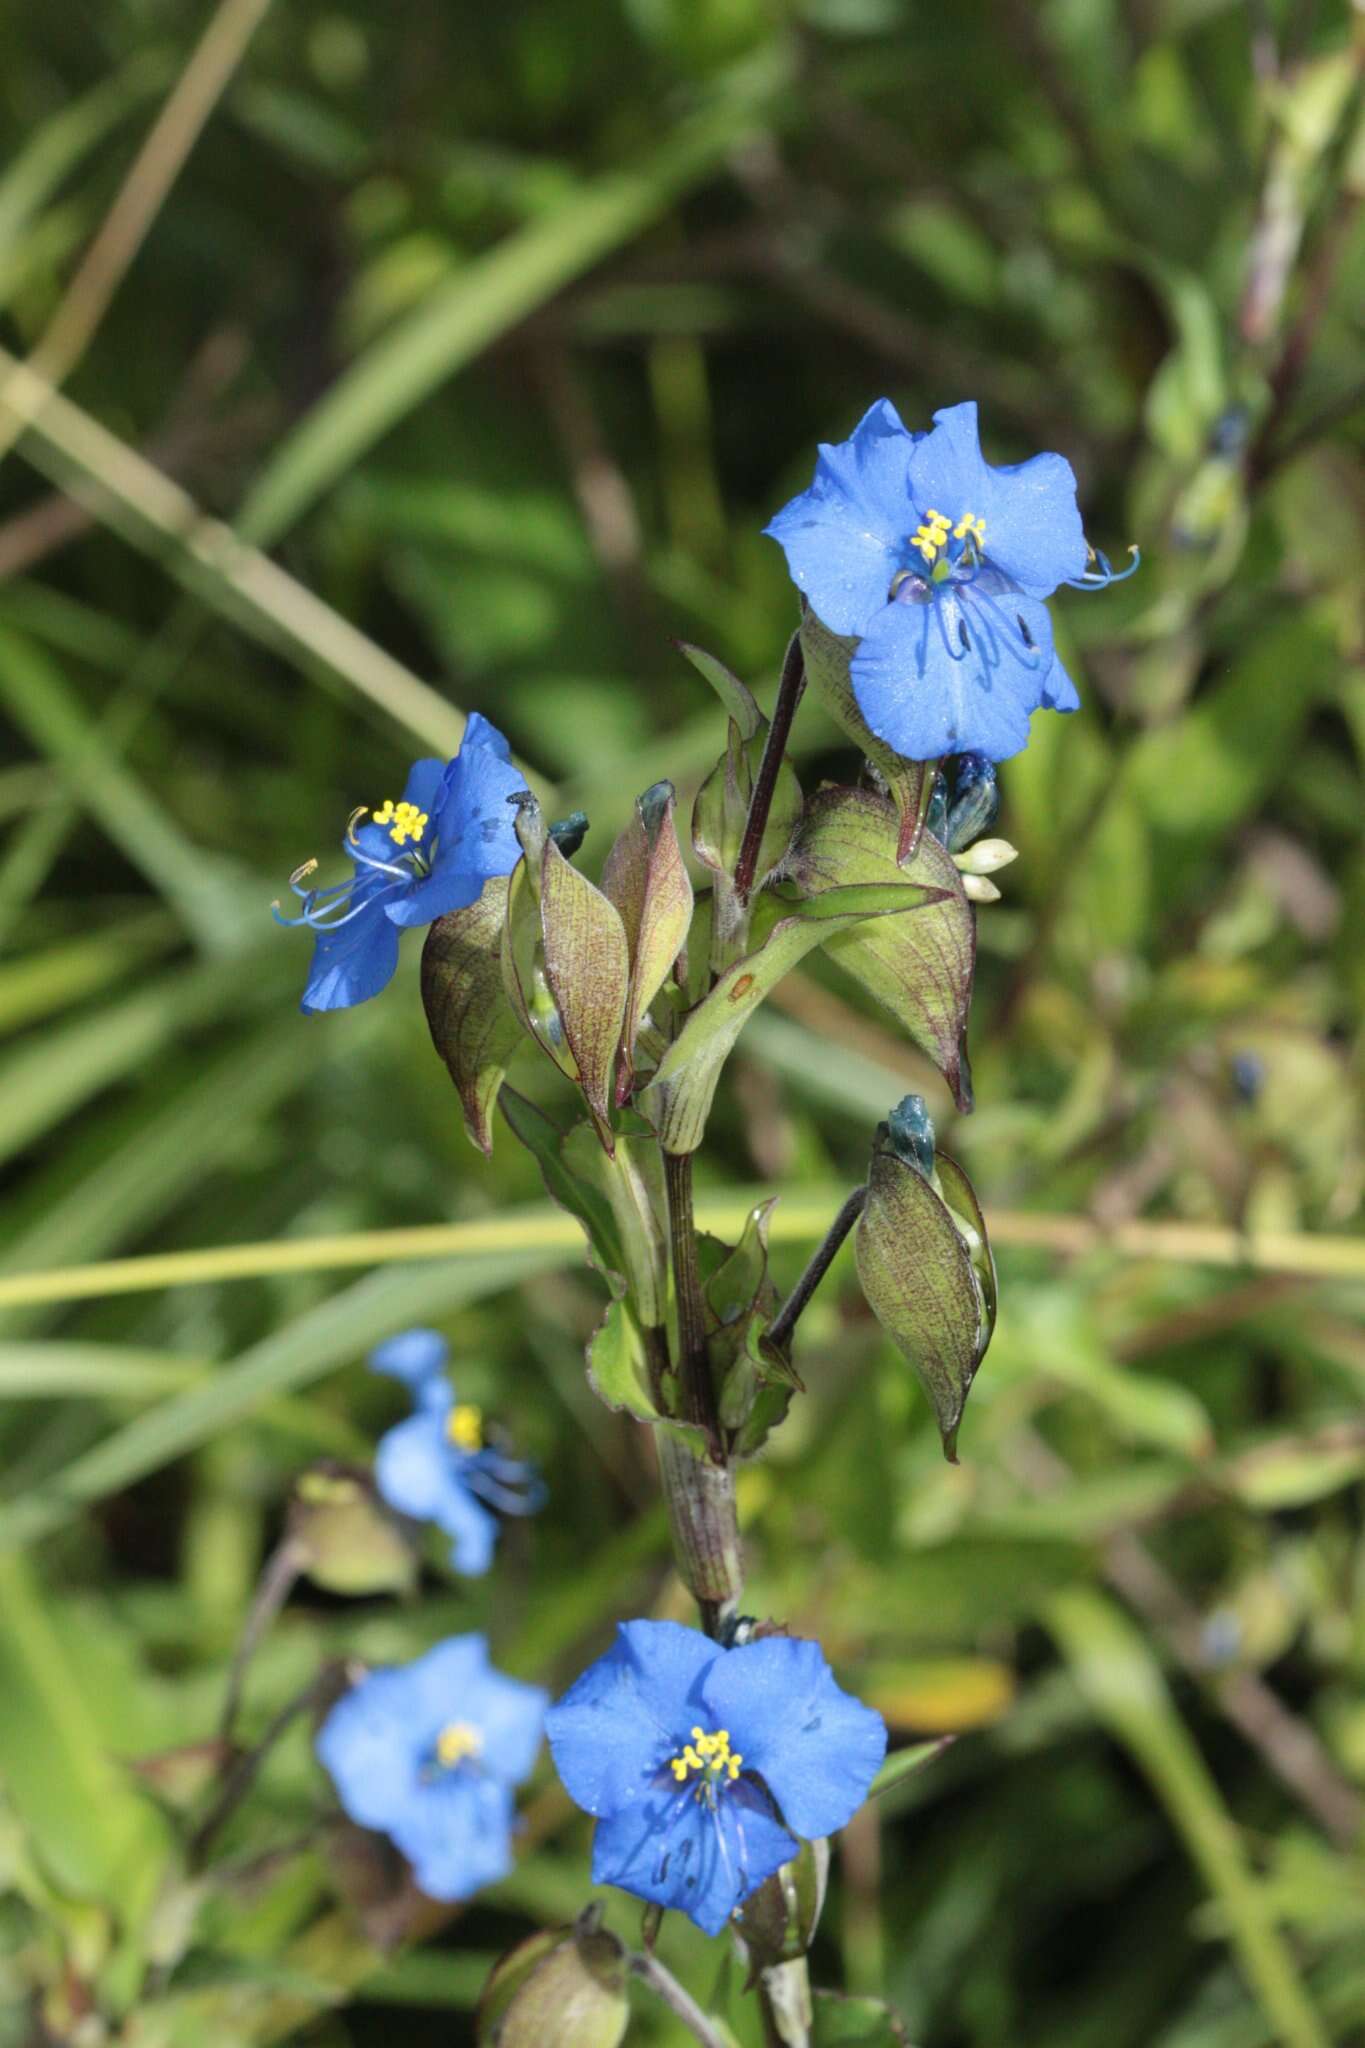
1033, 526
702, 1859
418, 1474
618, 1724
473, 824
440, 1685
371, 1752
354, 961
412, 1467
815, 1746
1059, 692
413, 1356
926, 694
458, 1835
844, 537
511, 1718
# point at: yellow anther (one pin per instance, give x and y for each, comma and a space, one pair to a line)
464, 1426
969, 527
931, 534
457, 1741
710, 1756
404, 821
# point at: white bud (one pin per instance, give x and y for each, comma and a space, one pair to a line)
979, 889
986, 856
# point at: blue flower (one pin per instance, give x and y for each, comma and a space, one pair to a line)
938, 564
428, 1753
436, 1466
703, 1764
414, 860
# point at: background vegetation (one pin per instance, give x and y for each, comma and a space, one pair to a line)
504, 329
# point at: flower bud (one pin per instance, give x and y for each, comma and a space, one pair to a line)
347, 1539
566, 1985
976, 801
910, 1133
985, 857
569, 833
979, 890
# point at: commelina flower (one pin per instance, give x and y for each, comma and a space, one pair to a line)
437, 1467
938, 563
428, 1753
703, 1765
413, 861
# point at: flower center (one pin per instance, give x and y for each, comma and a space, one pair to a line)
457, 1742
932, 534
709, 1757
404, 821
464, 1426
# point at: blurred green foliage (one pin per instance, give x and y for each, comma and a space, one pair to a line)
506, 328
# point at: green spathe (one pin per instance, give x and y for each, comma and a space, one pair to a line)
918, 1268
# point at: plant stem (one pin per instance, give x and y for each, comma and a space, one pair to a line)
242, 1776
699, 1491
665, 1986
694, 1370
784, 1322
789, 692
272, 1590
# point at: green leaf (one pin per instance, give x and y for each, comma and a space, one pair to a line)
678, 1099
473, 1024
619, 1364
737, 697
1123, 1682
919, 968
917, 1273
582, 1196
631, 1182
911, 783
90, 1828
721, 811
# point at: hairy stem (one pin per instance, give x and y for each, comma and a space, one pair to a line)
789, 692
785, 1321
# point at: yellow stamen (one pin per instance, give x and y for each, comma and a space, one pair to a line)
404, 821
931, 535
464, 1426
457, 1741
710, 1756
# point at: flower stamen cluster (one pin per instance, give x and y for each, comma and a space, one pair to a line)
457, 1743
404, 821
464, 1426
711, 1757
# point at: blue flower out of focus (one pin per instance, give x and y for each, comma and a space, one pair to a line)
414, 860
938, 564
428, 1753
703, 1765
436, 1466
